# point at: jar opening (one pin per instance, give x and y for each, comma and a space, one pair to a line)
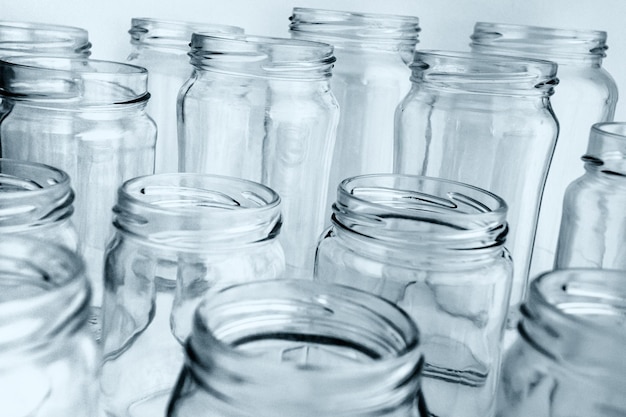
38, 38
606, 151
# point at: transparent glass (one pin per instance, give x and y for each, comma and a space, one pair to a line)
23, 38
36, 200
88, 118
436, 249
594, 221
48, 361
262, 109
370, 78
586, 94
299, 348
486, 121
161, 46
177, 236
569, 359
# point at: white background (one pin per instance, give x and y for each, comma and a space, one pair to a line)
446, 24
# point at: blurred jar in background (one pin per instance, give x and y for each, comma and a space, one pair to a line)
370, 78
587, 94
436, 249
161, 46
485, 121
48, 360
593, 227
299, 348
569, 359
87, 118
177, 236
36, 200
261, 109
23, 38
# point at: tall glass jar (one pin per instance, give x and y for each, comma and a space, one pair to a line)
36, 200
285, 348
436, 249
87, 118
48, 361
176, 236
370, 78
486, 121
586, 95
261, 109
161, 46
594, 221
569, 359
23, 38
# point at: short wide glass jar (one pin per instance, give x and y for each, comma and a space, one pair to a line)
176, 236
298, 348
435, 248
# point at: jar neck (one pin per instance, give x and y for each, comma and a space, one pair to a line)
305, 348
22, 38
193, 212
482, 74
575, 318
33, 196
253, 56
606, 151
564, 46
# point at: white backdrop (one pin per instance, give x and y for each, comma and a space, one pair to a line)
446, 24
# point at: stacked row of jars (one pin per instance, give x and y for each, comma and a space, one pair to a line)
251, 125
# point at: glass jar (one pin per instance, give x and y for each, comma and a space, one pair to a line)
177, 235
594, 224
87, 118
436, 249
36, 200
261, 109
587, 94
161, 46
569, 359
285, 348
370, 78
486, 121
23, 38
48, 361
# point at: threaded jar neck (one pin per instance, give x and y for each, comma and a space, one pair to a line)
302, 348
171, 35
193, 212
606, 151
564, 46
32, 196
473, 73
23, 38
273, 58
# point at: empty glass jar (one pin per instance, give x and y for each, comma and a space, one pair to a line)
486, 121
176, 236
161, 46
87, 118
261, 109
569, 359
370, 78
435, 248
48, 361
586, 95
23, 38
594, 222
299, 348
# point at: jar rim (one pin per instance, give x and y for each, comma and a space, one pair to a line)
32, 37
554, 33
43, 27
58, 179
614, 129
366, 16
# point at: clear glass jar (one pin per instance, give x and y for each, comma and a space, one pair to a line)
370, 78
587, 94
48, 361
436, 249
486, 121
261, 109
23, 38
177, 235
285, 348
593, 224
569, 359
87, 118
161, 46
36, 200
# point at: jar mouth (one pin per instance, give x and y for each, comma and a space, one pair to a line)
606, 151
358, 347
27, 37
